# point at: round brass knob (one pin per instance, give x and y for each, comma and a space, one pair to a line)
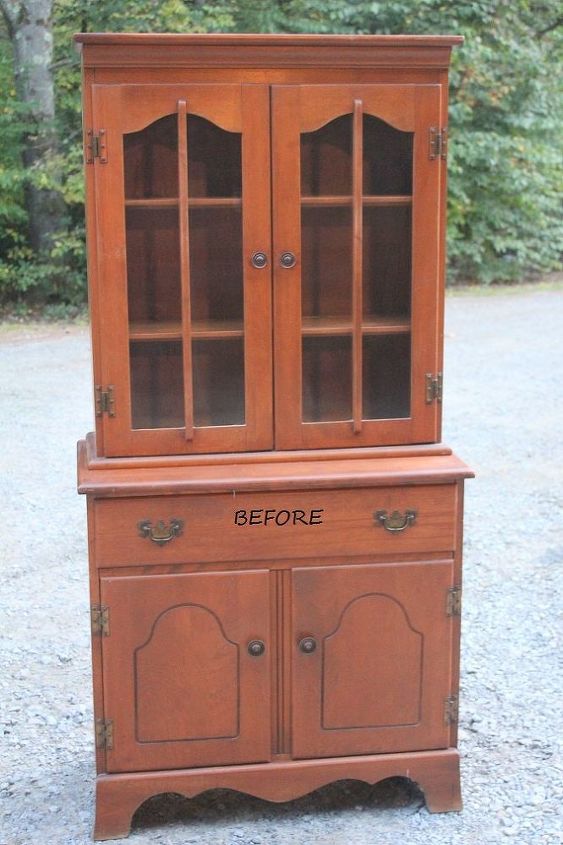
287, 260
307, 645
259, 260
256, 648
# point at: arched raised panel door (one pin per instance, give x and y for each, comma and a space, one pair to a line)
377, 677
183, 313
356, 199
181, 686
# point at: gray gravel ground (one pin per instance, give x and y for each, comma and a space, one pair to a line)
503, 414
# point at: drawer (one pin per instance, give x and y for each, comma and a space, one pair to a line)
275, 525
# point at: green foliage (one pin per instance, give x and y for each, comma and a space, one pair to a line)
506, 150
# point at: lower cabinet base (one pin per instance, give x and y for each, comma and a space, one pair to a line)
119, 796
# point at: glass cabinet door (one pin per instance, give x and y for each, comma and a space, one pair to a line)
356, 246
186, 310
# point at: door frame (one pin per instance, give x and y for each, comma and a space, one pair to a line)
304, 108
125, 108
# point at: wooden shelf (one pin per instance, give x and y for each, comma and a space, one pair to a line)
172, 330
193, 202
215, 202
333, 201
152, 202
372, 324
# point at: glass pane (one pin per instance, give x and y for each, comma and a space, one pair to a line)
153, 265
151, 160
387, 159
216, 266
327, 378
154, 273
387, 262
326, 159
386, 376
216, 273
326, 261
214, 160
218, 367
157, 384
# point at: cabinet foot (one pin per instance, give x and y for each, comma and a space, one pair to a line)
119, 796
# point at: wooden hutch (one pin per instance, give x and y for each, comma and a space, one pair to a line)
274, 527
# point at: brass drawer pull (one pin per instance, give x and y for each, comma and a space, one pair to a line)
397, 521
160, 533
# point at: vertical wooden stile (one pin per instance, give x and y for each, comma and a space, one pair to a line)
183, 214
357, 273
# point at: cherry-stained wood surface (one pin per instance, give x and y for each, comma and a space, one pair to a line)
225, 477
254, 526
300, 109
123, 109
203, 668
179, 683
376, 680
435, 772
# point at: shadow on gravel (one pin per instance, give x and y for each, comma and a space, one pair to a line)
226, 805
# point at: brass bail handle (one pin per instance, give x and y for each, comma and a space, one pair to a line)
396, 521
160, 533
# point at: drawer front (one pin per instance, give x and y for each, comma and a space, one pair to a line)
275, 525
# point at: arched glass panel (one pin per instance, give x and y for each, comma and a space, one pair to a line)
183, 213
356, 205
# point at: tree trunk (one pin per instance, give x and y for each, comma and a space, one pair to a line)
29, 27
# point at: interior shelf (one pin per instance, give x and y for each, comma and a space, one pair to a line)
371, 324
380, 200
195, 202
172, 330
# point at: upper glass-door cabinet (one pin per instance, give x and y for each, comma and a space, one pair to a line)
183, 227
356, 264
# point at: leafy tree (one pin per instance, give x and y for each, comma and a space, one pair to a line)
505, 124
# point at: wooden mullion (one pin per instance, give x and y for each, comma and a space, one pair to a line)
184, 227
357, 273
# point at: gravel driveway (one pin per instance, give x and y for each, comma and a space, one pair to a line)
503, 410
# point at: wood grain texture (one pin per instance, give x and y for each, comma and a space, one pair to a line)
89, 456
435, 772
179, 684
376, 681
264, 51
191, 708
347, 527
123, 109
337, 471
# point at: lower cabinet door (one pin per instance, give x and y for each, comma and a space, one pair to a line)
186, 669
371, 658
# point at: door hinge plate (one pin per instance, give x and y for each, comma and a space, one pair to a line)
453, 602
433, 388
104, 734
437, 143
451, 710
99, 616
105, 400
96, 146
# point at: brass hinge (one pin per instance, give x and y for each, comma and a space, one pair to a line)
451, 710
99, 615
96, 147
437, 143
104, 734
433, 388
453, 602
105, 400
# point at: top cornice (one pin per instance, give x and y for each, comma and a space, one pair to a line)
107, 49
